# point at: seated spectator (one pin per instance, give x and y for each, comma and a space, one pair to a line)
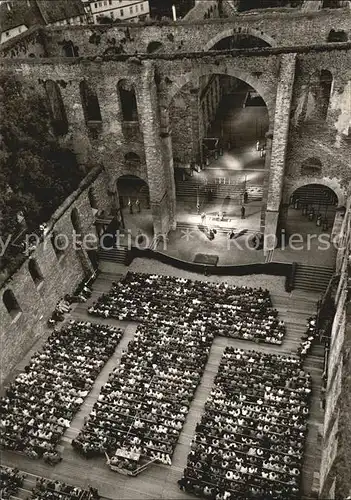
309, 338
49, 489
143, 405
41, 402
249, 443
239, 312
10, 481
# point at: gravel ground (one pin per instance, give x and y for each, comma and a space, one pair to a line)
275, 284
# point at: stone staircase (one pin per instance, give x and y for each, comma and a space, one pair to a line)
222, 189
312, 278
189, 226
116, 255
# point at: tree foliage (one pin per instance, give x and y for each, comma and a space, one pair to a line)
36, 173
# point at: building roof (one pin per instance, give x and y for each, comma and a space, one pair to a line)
20, 13
34, 12
58, 10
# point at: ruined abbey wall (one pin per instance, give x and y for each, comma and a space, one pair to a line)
289, 81
281, 28
60, 275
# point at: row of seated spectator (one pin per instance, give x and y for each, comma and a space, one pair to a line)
41, 402
309, 338
47, 489
231, 311
250, 441
143, 405
10, 481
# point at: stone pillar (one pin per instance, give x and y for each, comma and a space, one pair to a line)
166, 143
77, 134
280, 142
195, 110
267, 163
157, 178
114, 199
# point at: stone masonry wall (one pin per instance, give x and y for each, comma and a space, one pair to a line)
328, 140
189, 122
336, 462
286, 28
281, 131
60, 277
181, 122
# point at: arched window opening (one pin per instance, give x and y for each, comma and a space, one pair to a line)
244, 5
59, 244
92, 199
75, 219
90, 103
35, 272
132, 160
337, 36
11, 304
240, 41
128, 101
331, 4
311, 167
69, 49
326, 81
154, 46
57, 108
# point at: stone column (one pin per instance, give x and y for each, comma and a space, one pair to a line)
114, 199
279, 144
267, 163
195, 110
77, 131
166, 143
150, 124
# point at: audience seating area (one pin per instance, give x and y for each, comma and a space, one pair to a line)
238, 312
250, 441
142, 407
12, 481
46, 489
41, 402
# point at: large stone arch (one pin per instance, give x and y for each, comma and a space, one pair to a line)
229, 70
237, 31
333, 184
122, 171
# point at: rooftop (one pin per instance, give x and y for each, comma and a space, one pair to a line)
37, 12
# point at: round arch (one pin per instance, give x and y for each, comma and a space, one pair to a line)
124, 172
239, 31
214, 69
134, 199
305, 181
131, 188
